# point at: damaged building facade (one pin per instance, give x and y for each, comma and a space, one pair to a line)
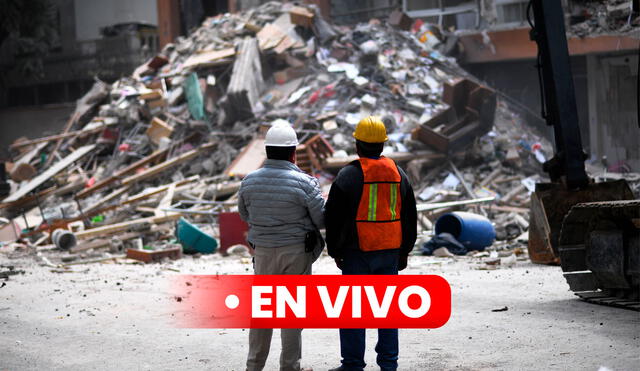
493, 43
104, 40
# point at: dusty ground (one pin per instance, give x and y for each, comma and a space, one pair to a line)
116, 316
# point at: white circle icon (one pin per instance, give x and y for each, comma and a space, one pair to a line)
232, 301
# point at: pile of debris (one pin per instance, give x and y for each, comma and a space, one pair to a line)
172, 141
588, 18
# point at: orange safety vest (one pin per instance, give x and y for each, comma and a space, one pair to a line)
378, 217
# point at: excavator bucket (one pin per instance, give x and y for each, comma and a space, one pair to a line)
551, 202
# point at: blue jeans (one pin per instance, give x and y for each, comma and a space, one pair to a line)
352, 341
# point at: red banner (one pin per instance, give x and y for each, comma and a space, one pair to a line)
312, 301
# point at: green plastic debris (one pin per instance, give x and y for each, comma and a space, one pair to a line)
97, 219
194, 97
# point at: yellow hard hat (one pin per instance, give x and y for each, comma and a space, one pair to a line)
371, 130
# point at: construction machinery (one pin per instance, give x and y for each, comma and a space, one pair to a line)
591, 229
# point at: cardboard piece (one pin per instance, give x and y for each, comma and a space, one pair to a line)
208, 58
251, 158
158, 130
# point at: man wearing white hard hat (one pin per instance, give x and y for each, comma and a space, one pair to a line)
281, 204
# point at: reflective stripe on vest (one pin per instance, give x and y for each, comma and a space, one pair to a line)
378, 217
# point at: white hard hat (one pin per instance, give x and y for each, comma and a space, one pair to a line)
281, 134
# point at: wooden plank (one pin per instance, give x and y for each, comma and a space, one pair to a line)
490, 177
151, 95
117, 227
142, 196
104, 200
442, 205
513, 193
507, 179
155, 170
119, 174
270, 36
251, 158
151, 192
334, 163
301, 16
166, 201
509, 209
45, 140
103, 242
208, 58
154, 255
27, 157
58, 167
28, 200
466, 186
158, 130
72, 120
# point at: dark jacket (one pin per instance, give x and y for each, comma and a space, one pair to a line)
342, 206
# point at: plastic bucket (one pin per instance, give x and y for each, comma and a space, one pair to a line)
193, 240
472, 230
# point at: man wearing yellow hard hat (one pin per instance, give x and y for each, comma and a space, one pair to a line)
371, 222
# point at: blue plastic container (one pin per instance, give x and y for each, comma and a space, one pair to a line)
472, 230
193, 240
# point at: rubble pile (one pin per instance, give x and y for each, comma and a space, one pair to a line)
590, 18
171, 142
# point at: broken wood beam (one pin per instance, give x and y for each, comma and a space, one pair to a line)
489, 178
466, 186
50, 172
140, 196
116, 193
123, 226
102, 242
335, 163
155, 191
121, 173
28, 200
507, 179
155, 170
509, 209
513, 193
27, 157
442, 205
57, 137
72, 120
